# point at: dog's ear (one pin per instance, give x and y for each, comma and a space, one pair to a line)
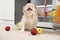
23, 9
39, 13
36, 10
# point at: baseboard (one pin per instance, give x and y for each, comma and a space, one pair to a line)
7, 22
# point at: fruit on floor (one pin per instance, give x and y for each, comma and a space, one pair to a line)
7, 28
39, 30
33, 31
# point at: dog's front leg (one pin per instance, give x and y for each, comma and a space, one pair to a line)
22, 28
22, 24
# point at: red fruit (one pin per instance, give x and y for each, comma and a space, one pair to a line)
7, 28
33, 31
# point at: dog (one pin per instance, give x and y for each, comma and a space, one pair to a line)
30, 17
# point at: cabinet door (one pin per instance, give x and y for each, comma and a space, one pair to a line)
18, 9
7, 9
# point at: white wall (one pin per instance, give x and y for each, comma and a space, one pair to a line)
54, 3
57, 2
7, 10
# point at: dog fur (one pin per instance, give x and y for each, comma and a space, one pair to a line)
30, 18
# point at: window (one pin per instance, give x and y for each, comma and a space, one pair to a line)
41, 2
40, 5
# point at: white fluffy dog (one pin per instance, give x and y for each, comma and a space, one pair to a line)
30, 17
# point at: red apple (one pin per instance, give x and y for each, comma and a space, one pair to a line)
7, 28
33, 31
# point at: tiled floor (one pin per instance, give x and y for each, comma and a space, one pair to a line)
47, 34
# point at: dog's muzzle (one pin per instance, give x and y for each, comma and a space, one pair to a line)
29, 9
